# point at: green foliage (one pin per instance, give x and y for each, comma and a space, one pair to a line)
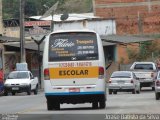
10, 9
132, 54
30, 8
147, 51
36, 7
121, 60
144, 52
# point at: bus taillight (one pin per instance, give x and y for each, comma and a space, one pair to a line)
46, 74
101, 72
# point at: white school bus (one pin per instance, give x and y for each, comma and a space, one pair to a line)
74, 69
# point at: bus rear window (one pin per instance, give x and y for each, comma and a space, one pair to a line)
73, 46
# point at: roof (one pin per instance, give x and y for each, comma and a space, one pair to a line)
124, 39
6, 39
28, 45
72, 17
73, 30
107, 43
14, 42
106, 40
9, 39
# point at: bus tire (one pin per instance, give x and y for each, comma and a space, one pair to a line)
95, 105
102, 104
56, 106
49, 105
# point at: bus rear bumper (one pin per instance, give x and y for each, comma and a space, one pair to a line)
75, 98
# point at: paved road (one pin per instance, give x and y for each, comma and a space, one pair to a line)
122, 103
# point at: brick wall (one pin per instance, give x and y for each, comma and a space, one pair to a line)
133, 18
116, 1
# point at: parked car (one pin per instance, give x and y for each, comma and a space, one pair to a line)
157, 86
123, 81
146, 72
20, 81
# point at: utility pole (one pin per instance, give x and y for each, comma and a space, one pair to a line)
149, 6
1, 27
52, 23
140, 26
22, 41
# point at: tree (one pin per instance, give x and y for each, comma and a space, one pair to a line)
144, 52
10, 9
37, 7
148, 50
30, 8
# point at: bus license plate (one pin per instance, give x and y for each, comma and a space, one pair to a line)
74, 89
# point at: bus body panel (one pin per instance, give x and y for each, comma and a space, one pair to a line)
77, 75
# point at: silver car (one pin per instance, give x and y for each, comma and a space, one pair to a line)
157, 86
123, 81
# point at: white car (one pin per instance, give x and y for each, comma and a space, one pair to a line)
20, 81
123, 81
157, 86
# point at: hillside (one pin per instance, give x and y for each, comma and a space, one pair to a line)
39, 7
76, 6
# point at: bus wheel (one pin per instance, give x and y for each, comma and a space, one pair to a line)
56, 106
102, 104
49, 105
95, 105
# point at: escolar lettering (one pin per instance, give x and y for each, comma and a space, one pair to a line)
73, 72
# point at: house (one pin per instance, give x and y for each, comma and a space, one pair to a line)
133, 18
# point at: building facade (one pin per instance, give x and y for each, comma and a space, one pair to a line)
133, 17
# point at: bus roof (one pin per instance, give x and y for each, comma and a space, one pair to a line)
75, 30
